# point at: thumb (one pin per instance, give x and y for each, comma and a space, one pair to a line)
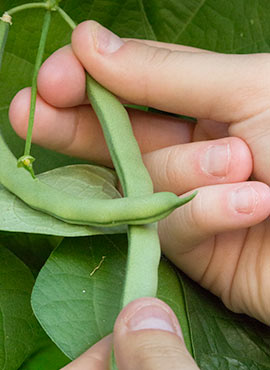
147, 335
173, 78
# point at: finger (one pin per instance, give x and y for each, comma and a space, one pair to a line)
208, 130
96, 358
61, 78
187, 235
256, 133
147, 335
176, 168
181, 168
76, 131
168, 45
203, 85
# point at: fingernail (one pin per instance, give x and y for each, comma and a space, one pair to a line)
215, 160
244, 199
105, 41
153, 317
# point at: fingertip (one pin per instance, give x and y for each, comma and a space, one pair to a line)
82, 42
147, 313
241, 162
259, 199
61, 79
97, 357
19, 111
147, 335
249, 202
45, 133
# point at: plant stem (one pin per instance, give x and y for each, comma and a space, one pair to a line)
66, 17
39, 57
4, 28
28, 6
26, 160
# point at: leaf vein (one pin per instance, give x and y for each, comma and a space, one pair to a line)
193, 15
147, 25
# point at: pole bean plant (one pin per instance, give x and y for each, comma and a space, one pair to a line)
74, 251
139, 209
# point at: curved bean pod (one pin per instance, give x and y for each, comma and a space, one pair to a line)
144, 248
94, 212
123, 147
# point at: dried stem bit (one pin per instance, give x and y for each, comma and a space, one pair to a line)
26, 161
6, 18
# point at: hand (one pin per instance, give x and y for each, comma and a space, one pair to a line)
220, 239
146, 336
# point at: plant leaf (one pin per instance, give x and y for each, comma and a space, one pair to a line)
48, 357
77, 294
31, 249
220, 338
239, 26
84, 181
19, 330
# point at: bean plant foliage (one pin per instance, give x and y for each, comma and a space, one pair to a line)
74, 274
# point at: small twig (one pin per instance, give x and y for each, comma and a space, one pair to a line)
98, 266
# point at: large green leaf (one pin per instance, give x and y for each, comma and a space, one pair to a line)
48, 357
222, 339
31, 249
83, 181
231, 26
77, 294
19, 330
77, 298
236, 26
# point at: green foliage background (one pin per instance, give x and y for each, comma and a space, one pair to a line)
218, 338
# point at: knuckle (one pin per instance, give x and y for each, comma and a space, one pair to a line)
196, 213
149, 354
171, 169
255, 87
157, 57
153, 61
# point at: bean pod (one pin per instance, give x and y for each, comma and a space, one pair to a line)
94, 212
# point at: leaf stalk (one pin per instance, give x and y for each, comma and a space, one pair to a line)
26, 160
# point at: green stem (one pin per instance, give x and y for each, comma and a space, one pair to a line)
4, 28
26, 160
66, 17
28, 6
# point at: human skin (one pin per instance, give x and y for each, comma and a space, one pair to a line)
220, 239
146, 336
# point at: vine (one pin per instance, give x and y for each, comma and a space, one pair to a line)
141, 276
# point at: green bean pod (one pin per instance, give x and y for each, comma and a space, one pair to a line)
144, 247
123, 147
94, 212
